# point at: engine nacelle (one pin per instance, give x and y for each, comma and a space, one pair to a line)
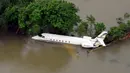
86, 37
86, 45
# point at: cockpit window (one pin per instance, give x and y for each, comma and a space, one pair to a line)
39, 34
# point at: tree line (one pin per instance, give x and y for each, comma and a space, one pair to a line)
32, 17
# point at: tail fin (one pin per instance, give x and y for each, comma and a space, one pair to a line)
100, 39
102, 35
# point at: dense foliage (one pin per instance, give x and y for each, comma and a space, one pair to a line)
6, 5
54, 16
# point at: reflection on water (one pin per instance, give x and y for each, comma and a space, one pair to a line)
71, 50
23, 55
30, 46
40, 54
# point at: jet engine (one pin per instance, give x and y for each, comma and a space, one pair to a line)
86, 45
86, 37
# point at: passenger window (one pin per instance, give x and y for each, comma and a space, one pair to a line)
56, 40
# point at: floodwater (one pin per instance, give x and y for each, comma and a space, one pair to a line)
20, 54
103, 10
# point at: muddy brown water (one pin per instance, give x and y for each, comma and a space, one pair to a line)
20, 54
103, 10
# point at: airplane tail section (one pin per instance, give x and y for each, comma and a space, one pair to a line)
100, 39
102, 35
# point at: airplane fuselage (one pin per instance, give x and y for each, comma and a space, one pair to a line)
84, 42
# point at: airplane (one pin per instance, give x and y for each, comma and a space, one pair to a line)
85, 41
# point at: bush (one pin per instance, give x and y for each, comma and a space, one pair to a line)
82, 29
91, 25
123, 27
99, 27
116, 33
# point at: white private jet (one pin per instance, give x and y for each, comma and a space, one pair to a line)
85, 41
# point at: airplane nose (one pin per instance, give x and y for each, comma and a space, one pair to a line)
34, 37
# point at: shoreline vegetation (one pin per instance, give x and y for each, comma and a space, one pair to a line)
32, 17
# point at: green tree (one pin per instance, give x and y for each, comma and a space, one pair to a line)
116, 33
90, 27
124, 22
11, 16
123, 27
9, 12
128, 25
82, 29
49, 15
99, 27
